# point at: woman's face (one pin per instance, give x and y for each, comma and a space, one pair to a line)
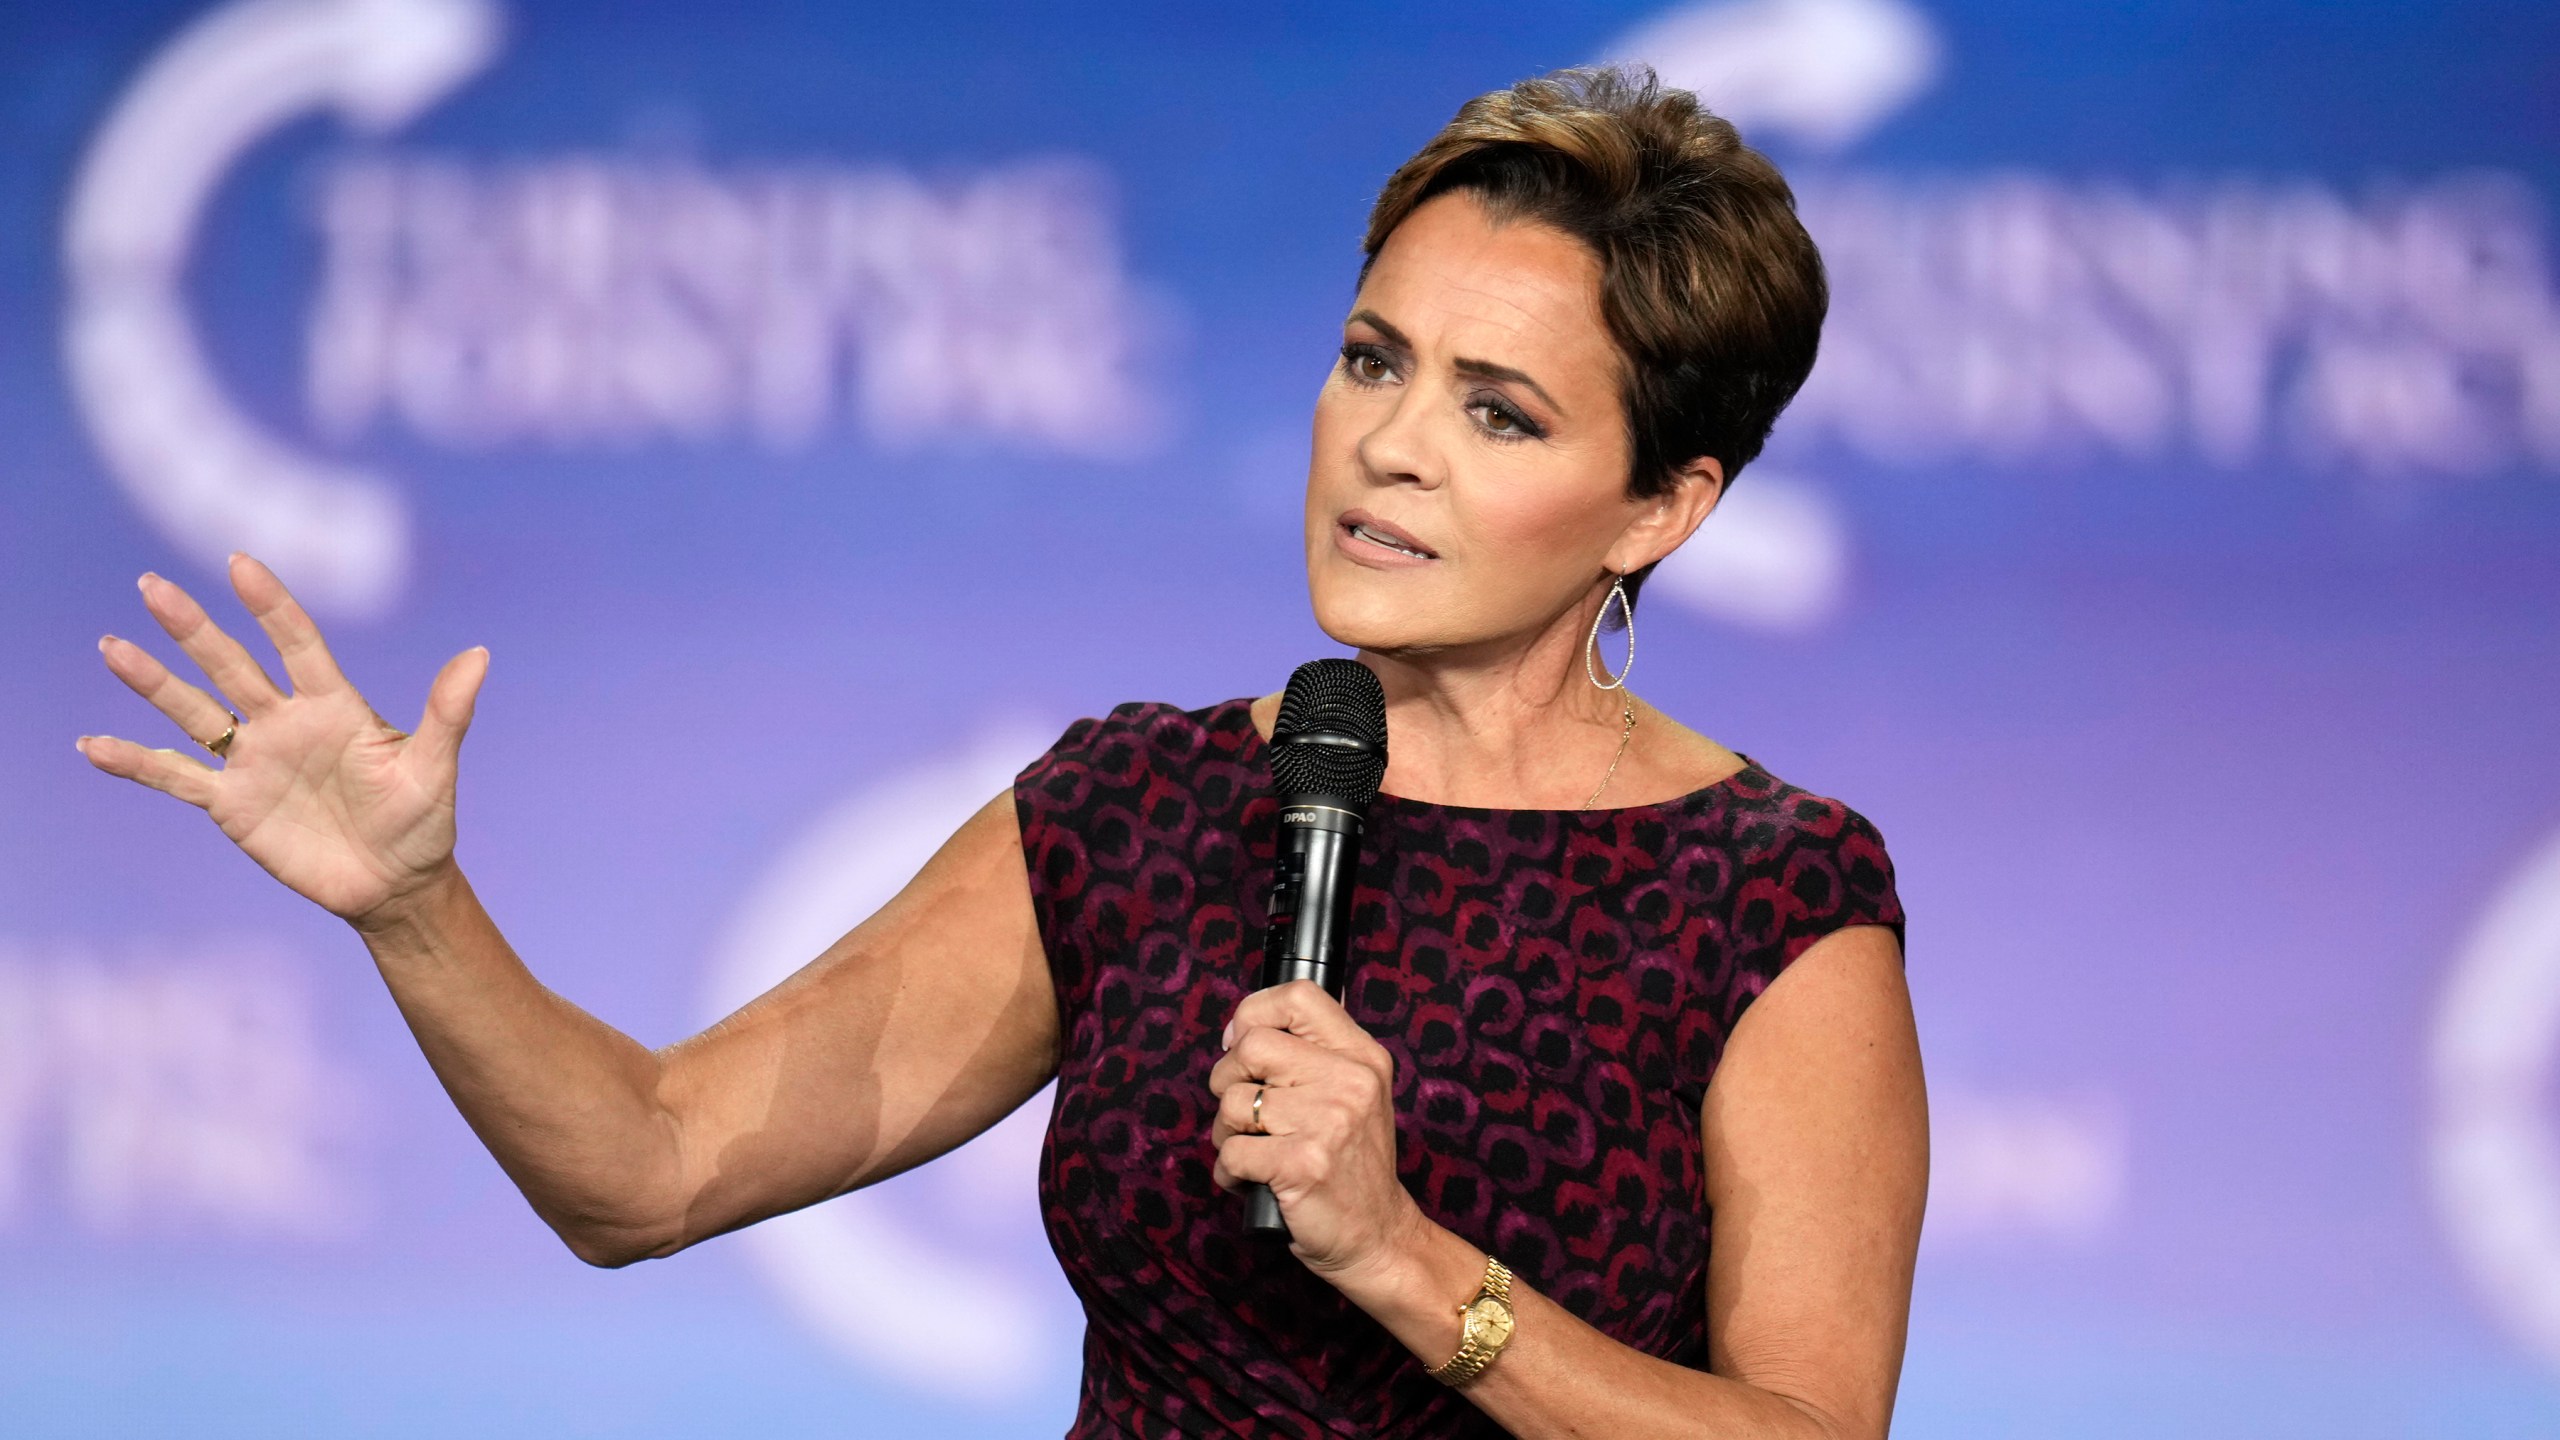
1469, 477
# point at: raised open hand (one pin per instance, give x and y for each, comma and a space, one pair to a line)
317, 788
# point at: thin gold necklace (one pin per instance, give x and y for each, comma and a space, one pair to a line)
1623, 736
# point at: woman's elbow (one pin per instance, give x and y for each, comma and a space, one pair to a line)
610, 1244
606, 1254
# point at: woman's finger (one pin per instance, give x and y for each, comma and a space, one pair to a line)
166, 771
223, 660
1273, 1057
1237, 1116
451, 698
1302, 1007
1244, 1159
307, 661
198, 715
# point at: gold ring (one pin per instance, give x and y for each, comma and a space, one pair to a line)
1258, 1092
222, 742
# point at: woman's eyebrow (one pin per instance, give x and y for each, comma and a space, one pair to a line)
1481, 369
1487, 370
1378, 322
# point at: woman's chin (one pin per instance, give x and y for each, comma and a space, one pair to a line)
1354, 626
1399, 613
1362, 628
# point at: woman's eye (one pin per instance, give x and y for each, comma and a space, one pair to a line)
1369, 365
1501, 420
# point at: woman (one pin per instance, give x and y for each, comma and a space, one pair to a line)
1620, 1127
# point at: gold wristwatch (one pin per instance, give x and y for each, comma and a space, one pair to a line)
1488, 1327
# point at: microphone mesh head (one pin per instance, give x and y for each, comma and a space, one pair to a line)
1331, 737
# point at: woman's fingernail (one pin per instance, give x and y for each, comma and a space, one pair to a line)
1227, 1037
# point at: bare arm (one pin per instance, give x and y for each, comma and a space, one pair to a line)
921, 1028
1816, 1135
925, 1025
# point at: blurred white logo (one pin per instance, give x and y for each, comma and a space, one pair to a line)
208, 475
1822, 73
1774, 556
2494, 1145
169, 1090
941, 1278
2006, 1167
589, 298
569, 300
2018, 318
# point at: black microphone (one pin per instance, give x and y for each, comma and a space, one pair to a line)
1328, 755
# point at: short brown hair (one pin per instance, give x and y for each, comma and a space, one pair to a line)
1709, 285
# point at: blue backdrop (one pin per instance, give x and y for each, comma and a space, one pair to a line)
814, 408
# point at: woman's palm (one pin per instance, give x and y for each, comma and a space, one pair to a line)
314, 786
323, 794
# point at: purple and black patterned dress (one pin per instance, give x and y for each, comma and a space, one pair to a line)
1556, 987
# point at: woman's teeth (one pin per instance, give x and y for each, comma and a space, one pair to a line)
1374, 538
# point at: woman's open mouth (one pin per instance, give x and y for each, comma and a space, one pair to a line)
1365, 530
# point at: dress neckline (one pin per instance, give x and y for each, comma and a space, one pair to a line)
1243, 709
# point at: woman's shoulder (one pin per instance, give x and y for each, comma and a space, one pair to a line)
1768, 812
1157, 729
1813, 861
1134, 747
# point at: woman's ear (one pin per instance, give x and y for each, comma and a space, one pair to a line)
1665, 522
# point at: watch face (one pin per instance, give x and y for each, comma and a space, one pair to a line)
1489, 1320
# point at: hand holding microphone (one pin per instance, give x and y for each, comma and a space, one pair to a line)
1327, 1132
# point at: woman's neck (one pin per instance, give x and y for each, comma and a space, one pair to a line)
1523, 728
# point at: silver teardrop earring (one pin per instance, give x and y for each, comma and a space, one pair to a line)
1626, 697
1591, 648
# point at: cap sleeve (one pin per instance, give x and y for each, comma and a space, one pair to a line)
1840, 875
1812, 868
1073, 804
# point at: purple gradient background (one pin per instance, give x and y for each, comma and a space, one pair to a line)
2196, 778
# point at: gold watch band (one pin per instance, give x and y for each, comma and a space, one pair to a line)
1488, 1327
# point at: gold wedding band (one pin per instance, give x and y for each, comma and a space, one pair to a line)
1258, 1092
222, 742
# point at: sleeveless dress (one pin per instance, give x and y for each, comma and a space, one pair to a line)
1556, 988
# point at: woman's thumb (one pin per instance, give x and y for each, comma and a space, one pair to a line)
450, 701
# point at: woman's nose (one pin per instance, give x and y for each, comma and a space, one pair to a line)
1399, 449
